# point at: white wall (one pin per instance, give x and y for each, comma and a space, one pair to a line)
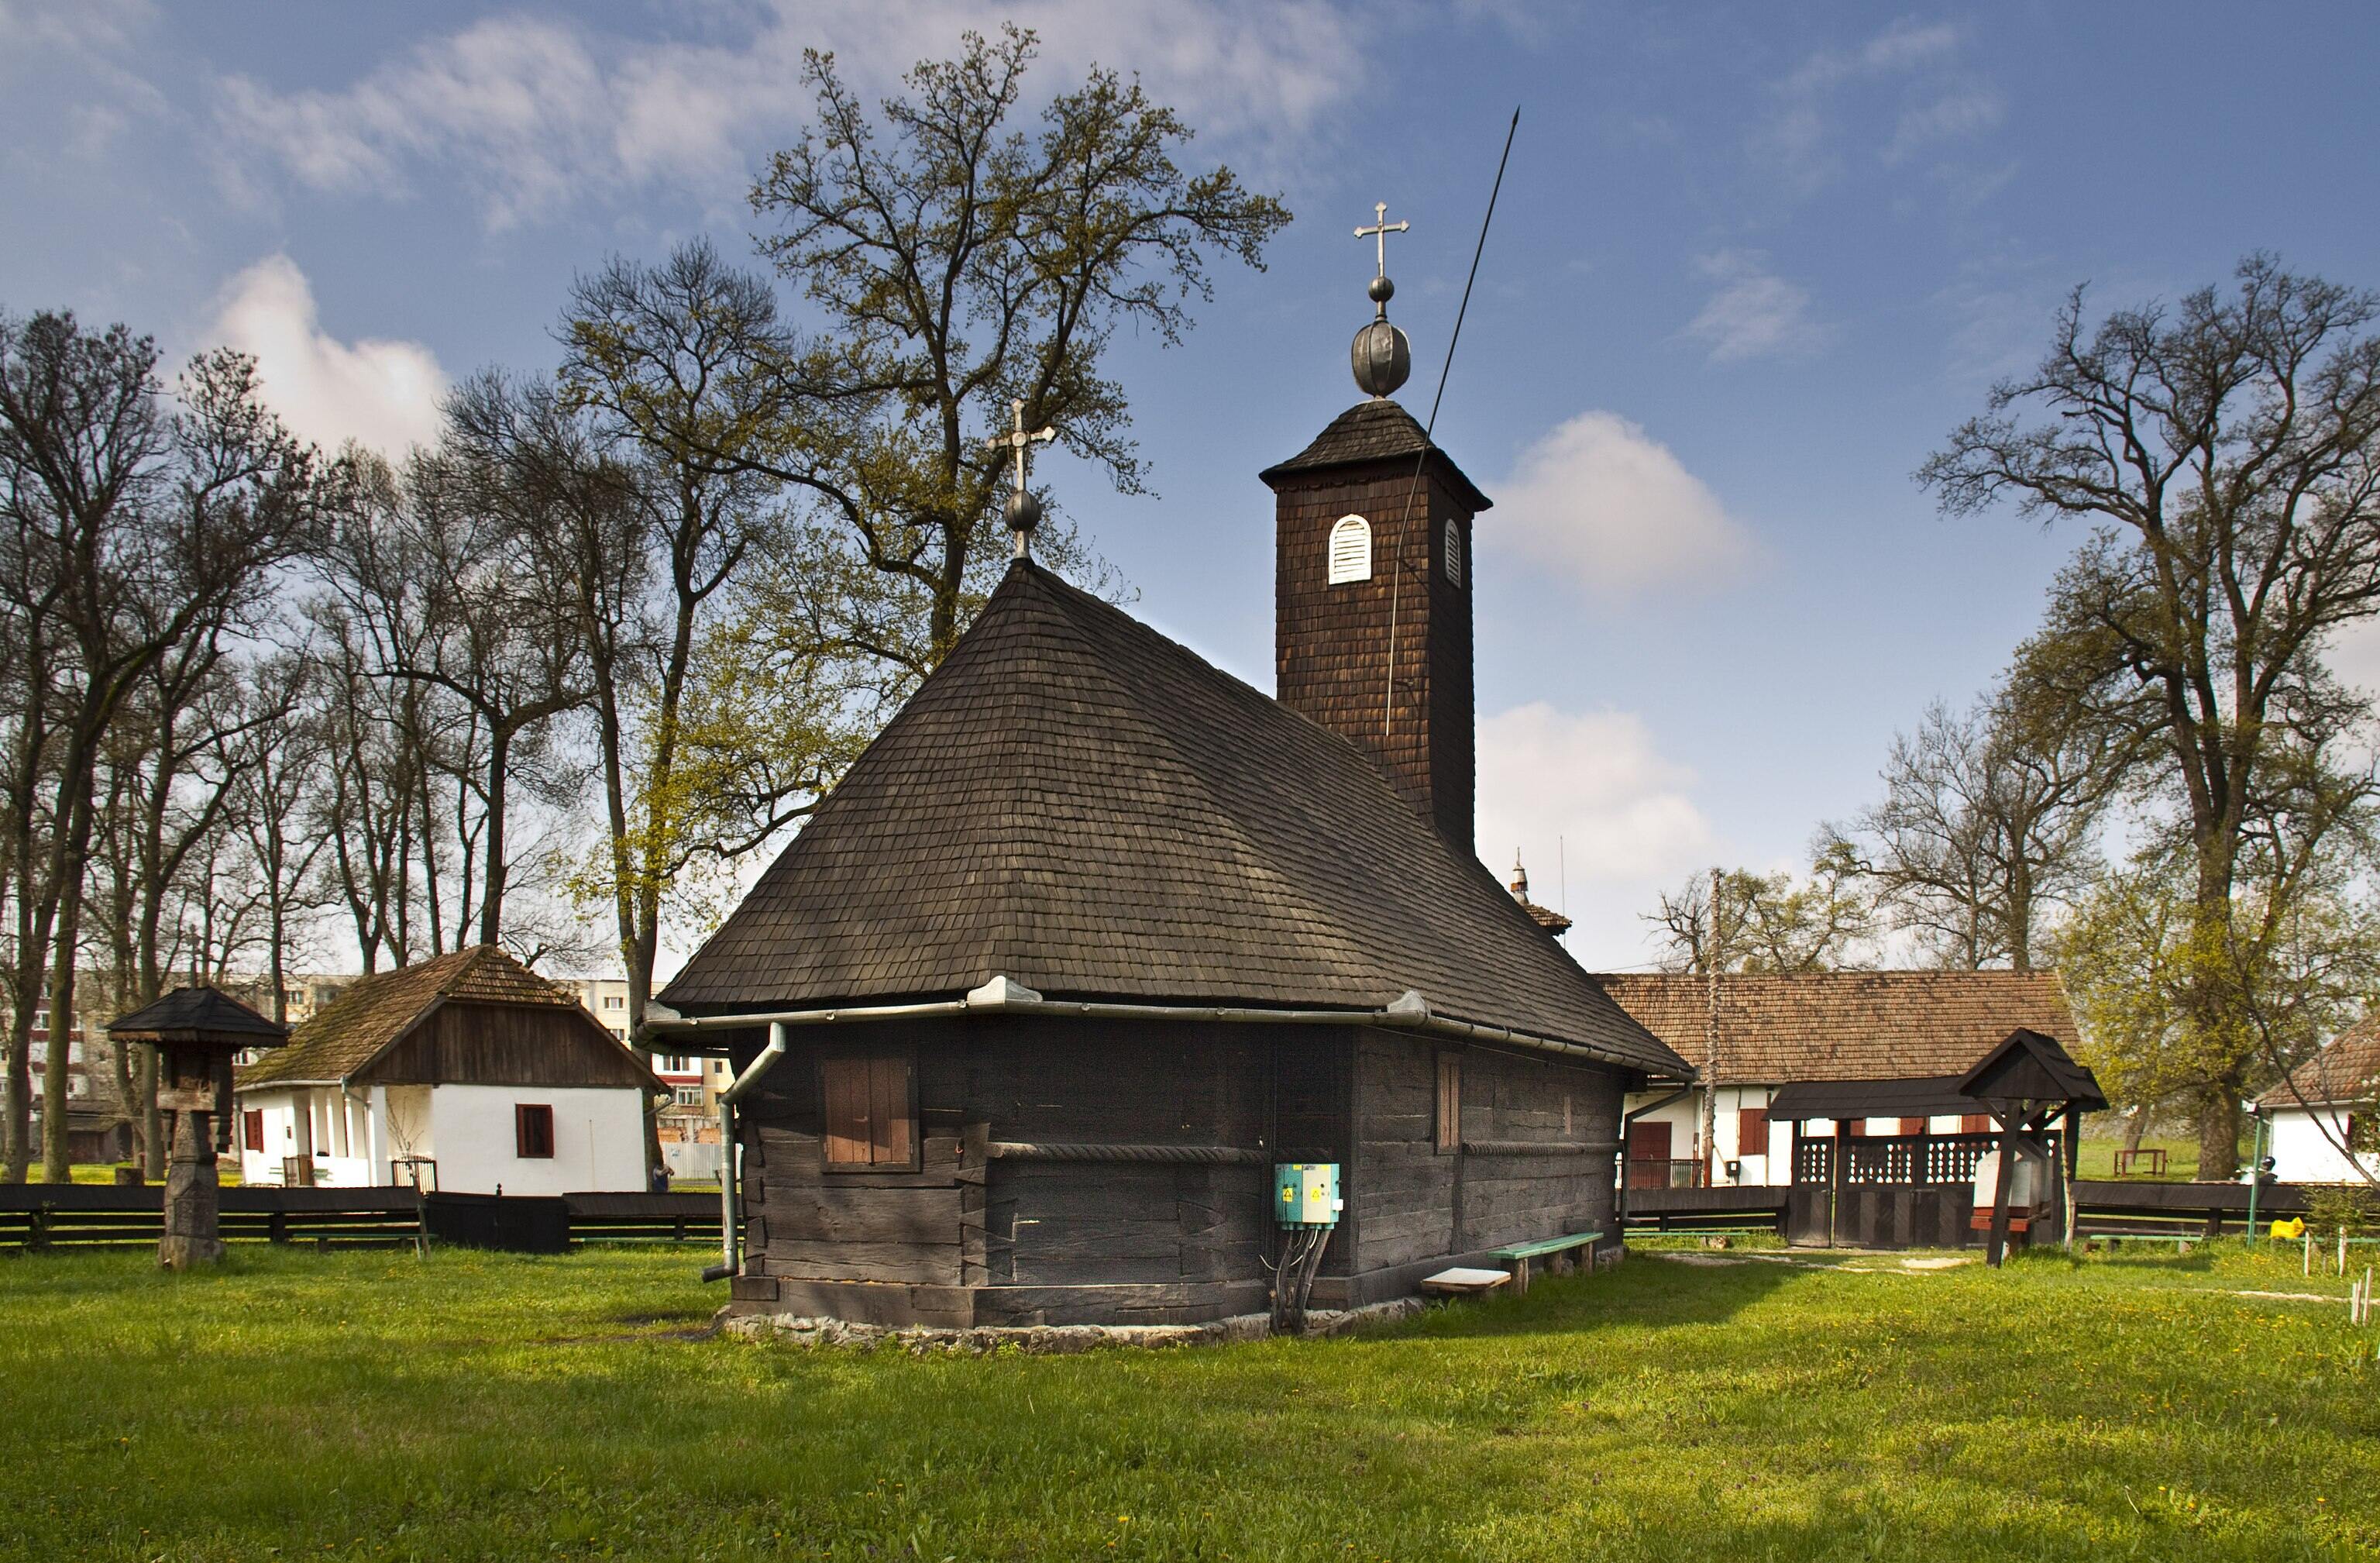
317, 1122
1770, 1163
2300, 1152
599, 1140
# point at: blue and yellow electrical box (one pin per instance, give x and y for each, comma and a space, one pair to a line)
1306, 1194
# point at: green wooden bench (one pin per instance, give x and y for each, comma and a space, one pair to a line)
1520, 1256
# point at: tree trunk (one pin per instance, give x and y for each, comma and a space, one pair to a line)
492, 899
57, 1164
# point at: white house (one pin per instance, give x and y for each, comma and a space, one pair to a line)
2324, 1107
1747, 1033
466, 1073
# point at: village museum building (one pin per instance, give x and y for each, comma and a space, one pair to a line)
1095, 935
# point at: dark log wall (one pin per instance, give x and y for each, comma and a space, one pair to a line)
1411, 1202
507, 1044
966, 1219
1292, 1093
888, 1225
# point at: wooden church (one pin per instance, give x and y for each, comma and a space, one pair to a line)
1095, 935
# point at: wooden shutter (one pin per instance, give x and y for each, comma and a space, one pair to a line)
1450, 1101
1974, 1123
1751, 1132
251, 1130
844, 1083
893, 1136
869, 1108
533, 1132
1912, 1126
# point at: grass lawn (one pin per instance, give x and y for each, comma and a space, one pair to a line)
2180, 1163
371, 1405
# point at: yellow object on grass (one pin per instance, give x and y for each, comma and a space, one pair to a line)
2293, 1228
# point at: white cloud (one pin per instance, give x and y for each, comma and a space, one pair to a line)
1797, 143
533, 113
1957, 114
1601, 821
1613, 509
381, 393
1754, 312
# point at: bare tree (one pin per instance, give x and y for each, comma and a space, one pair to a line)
135, 524
1988, 818
2228, 450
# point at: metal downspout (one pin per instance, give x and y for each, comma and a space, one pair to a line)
730, 1225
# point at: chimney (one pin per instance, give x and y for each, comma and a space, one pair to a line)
1372, 586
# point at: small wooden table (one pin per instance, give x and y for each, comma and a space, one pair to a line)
1460, 1282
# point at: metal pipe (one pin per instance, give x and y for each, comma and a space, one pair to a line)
1003, 997
730, 1224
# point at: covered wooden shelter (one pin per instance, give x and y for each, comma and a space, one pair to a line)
196, 1032
1924, 1190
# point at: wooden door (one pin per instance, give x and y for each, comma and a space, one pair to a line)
1649, 1156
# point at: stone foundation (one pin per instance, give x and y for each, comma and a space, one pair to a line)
1048, 1339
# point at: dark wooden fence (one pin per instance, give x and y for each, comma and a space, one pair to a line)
1744, 1208
2179, 1210
44, 1216
1937, 1215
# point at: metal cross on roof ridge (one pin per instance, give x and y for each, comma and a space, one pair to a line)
1019, 441
1379, 230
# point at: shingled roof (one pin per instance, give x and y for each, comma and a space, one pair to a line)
198, 1012
375, 1011
1078, 804
1379, 430
2345, 1073
1773, 1028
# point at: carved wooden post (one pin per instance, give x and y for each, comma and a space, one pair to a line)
193, 1232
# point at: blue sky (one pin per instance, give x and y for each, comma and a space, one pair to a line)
1752, 263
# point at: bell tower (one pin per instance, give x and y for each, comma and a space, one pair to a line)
1372, 581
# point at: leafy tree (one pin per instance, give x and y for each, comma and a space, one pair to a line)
959, 262
712, 740
2226, 452
2296, 963
1738, 921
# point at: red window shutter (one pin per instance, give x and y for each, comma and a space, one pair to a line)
533, 1132
845, 1085
1975, 1123
1751, 1132
893, 1129
251, 1130
1912, 1126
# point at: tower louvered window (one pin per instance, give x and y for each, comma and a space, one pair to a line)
1351, 550
1453, 552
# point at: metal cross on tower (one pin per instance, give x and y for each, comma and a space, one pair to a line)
1378, 232
1024, 511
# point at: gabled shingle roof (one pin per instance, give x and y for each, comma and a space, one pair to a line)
1079, 804
1844, 1025
378, 1010
2345, 1073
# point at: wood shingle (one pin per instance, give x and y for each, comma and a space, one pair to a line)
1078, 804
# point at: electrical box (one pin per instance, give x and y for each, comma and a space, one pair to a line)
1306, 1194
